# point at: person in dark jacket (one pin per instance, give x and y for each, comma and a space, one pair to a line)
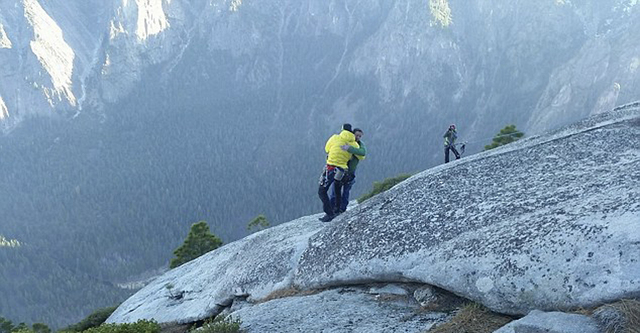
449, 143
350, 177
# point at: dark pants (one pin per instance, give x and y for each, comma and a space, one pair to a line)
326, 179
446, 153
347, 183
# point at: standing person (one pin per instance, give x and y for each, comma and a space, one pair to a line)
350, 177
449, 143
335, 169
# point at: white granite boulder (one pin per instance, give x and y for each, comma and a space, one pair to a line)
551, 322
252, 267
550, 223
348, 309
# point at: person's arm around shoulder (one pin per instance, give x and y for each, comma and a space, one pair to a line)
360, 153
352, 145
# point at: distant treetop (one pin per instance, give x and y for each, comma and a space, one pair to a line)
199, 241
506, 135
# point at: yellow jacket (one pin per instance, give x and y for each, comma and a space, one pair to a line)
337, 156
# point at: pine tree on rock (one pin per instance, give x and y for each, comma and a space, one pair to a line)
258, 223
40, 328
507, 135
199, 241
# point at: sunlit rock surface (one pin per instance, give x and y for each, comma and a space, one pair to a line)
4, 112
151, 18
348, 309
5, 42
55, 55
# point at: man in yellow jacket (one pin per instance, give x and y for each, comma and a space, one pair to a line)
350, 178
335, 169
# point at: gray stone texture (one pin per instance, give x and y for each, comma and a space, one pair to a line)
545, 223
425, 295
551, 322
338, 310
548, 223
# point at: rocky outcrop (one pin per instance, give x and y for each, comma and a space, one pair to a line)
47, 52
53, 53
3, 109
563, 99
545, 223
348, 309
5, 42
551, 322
275, 252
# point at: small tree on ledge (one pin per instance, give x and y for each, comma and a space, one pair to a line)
507, 135
258, 223
199, 241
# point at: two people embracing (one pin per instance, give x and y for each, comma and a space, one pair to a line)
344, 151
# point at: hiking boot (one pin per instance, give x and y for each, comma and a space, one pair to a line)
327, 218
338, 211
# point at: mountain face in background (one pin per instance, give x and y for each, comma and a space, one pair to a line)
126, 121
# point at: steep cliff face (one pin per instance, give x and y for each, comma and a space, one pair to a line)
492, 59
539, 64
601, 74
47, 50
